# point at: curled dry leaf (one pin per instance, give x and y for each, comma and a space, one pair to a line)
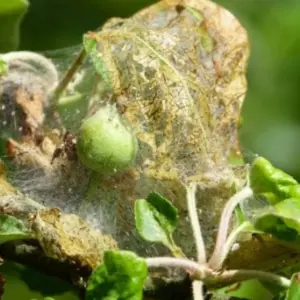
64, 237
67, 237
262, 252
181, 77
177, 69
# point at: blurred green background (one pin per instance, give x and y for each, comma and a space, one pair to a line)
271, 111
271, 118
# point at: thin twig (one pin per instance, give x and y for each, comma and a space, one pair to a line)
199, 271
215, 260
213, 278
194, 219
68, 76
231, 239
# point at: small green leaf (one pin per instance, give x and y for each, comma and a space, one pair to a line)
3, 67
283, 221
273, 183
293, 292
167, 211
12, 229
11, 15
156, 219
90, 44
121, 276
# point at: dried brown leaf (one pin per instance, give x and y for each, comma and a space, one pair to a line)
67, 237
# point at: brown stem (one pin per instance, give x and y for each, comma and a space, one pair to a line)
68, 76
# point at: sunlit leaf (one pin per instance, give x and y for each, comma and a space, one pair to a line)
156, 219
273, 183
121, 276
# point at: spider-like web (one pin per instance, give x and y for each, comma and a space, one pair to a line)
176, 76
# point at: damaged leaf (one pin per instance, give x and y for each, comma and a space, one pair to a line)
177, 78
67, 237
164, 67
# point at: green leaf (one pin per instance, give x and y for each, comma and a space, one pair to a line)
156, 219
280, 296
283, 221
250, 289
273, 183
90, 44
3, 67
121, 276
12, 229
11, 15
293, 292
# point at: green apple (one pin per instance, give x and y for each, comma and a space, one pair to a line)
105, 144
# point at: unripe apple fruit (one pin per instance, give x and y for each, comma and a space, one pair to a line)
104, 143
